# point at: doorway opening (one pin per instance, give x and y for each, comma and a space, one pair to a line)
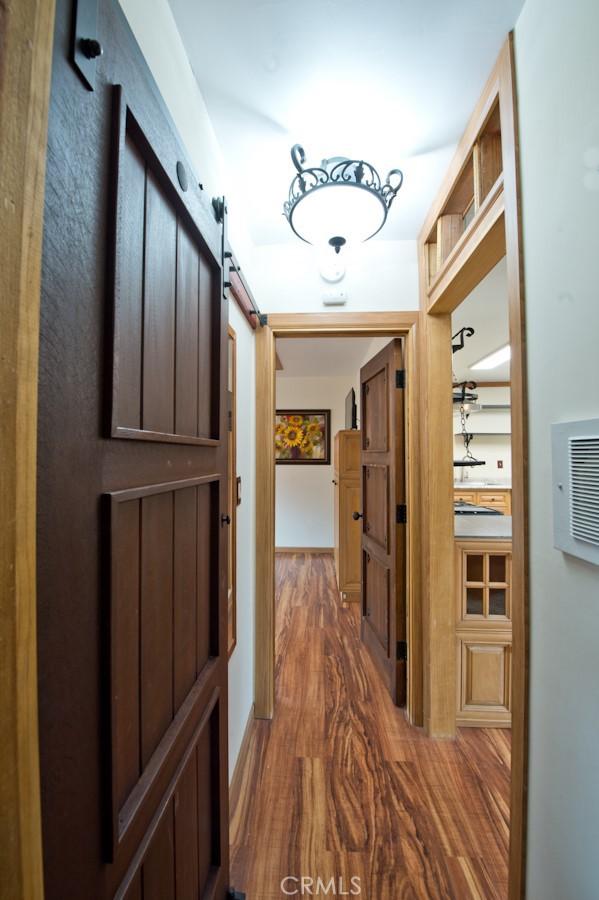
340, 428
304, 327
482, 459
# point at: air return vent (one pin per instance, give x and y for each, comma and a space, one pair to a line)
576, 488
584, 489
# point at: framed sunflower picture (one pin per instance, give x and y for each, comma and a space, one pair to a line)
303, 436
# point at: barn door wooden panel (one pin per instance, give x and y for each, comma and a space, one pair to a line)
383, 516
132, 536
166, 290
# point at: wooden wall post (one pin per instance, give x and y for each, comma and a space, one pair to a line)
26, 37
438, 605
265, 523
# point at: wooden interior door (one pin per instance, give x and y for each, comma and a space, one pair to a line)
132, 482
384, 515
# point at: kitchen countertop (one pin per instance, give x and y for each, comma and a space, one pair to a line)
483, 528
481, 486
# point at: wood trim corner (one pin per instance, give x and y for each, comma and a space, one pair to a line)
26, 40
520, 532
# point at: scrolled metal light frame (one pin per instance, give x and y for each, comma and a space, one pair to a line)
352, 172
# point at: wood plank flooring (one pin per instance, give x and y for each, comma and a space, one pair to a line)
339, 785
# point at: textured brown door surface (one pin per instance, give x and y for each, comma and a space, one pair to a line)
132, 482
383, 520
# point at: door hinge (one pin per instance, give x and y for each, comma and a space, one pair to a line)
402, 651
400, 378
401, 514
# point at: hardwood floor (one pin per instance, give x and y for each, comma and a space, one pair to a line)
339, 785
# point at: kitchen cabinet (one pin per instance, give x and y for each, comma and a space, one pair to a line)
484, 632
348, 499
495, 498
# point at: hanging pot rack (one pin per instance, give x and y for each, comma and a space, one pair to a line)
466, 394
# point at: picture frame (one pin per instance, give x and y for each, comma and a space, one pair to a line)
303, 437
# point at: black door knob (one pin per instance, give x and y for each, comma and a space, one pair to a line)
226, 520
357, 515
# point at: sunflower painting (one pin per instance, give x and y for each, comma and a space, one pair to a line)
303, 436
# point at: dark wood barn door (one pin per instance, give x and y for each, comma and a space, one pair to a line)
132, 483
383, 516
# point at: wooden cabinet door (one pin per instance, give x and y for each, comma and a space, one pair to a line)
484, 690
383, 538
132, 487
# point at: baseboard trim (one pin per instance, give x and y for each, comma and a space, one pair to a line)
243, 749
322, 550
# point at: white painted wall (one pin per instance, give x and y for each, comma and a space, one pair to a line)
491, 446
154, 27
558, 79
380, 275
304, 494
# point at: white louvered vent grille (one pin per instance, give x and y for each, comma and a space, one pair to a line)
584, 489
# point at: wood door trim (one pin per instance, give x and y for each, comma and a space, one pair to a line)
367, 324
319, 551
232, 487
438, 533
27, 39
393, 324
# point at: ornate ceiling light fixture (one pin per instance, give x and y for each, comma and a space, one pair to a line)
354, 211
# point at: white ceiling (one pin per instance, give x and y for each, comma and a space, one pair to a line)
321, 357
485, 310
390, 81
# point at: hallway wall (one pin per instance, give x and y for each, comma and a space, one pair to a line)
304, 494
557, 76
154, 27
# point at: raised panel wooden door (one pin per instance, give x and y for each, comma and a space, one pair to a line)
132, 484
383, 516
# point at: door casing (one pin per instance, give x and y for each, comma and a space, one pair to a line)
307, 325
26, 38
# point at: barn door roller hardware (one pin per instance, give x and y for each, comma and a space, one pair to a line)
233, 279
236, 283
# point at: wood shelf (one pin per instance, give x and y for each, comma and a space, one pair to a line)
479, 181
